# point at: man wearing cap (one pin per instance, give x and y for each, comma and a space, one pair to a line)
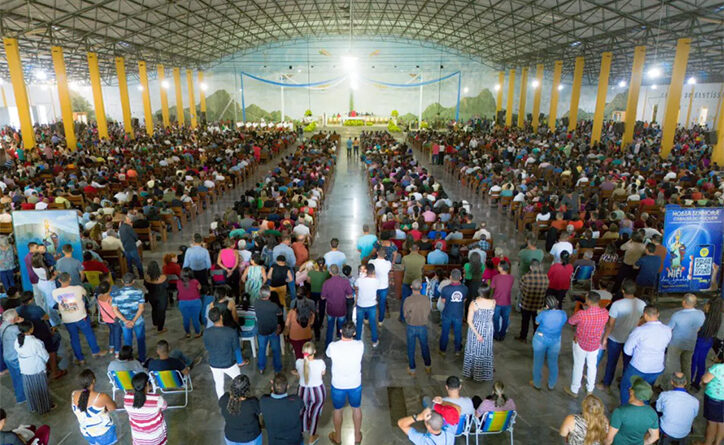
636, 422
647, 347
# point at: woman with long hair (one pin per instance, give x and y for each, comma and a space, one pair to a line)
299, 324
253, 278
311, 388
547, 342
189, 301
109, 317
46, 285
559, 278
157, 285
588, 428
32, 358
92, 409
473, 273
145, 412
496, 401
241, 413
228, 260
224, 303
705, 340
478, 359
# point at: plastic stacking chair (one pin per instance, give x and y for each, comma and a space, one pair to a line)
120, 381
464, 427
247, 320
495, 422
172, 382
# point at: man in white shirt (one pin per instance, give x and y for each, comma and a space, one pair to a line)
562, 245
482, 231
382, 272
346, 355
367, 303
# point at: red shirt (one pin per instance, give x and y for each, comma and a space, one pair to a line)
589, 324
94, 266
27, 206
172, 269
559, 276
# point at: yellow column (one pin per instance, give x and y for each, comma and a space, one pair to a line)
673, 100
164, 96
634, 87
601, 96
146, 93
180, 118
192, 101
511, 93
15, 67
95, 78
499, 101
536, 95
717, 154
575, 93
66, 109
5, 99
691, 102
123, 89
521, 100
202, 92
557, 68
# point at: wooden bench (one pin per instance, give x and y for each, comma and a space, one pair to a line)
146, 236
116, 260
160, 227
6, 228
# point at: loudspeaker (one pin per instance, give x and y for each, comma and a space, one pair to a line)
501, 117
618, 128
515, 118
711, 138
564, 122
202, 117
529, 117
134, 122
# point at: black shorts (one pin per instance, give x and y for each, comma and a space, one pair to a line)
713, 409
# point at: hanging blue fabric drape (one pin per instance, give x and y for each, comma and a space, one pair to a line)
292, 85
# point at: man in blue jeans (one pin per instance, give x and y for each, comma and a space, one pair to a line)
72, 311
336, 290
382, 272
8, 334
268, 329
367, 303
453, 296
417, 311
128, 303
129, 241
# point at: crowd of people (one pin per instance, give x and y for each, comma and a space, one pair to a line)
252, 275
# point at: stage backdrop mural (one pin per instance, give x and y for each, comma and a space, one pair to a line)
693, 239
52, 228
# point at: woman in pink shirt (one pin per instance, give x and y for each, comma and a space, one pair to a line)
108, 316
189, 301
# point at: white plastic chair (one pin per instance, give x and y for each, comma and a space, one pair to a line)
247, 320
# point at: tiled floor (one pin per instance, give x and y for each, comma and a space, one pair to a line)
389, 392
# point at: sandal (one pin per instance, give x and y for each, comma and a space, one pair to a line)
332, 439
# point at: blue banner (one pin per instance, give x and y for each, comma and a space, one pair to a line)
693, 242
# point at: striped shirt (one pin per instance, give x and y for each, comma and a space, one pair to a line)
147, 424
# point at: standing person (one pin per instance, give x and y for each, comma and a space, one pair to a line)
349, 147
473, 273
92, 409
367, 304
280, 276
241, 413
46, 284
346, 355
705, 339
588, 428
189, 301
678, 410
51, 339
559, 278
478, 362
197, 259
32, 276
453, 296
635, 422
108, 317
310, 371
356, 147
128, 306
228, 260
547, 342
72, 311
157, 286
8, 334
317, 277
502, 286
268, 329
685, 324
533, 288
68, 264
417, 312
366, 242
623, 318
382, 272
714, 404
253, 278
529, 254
145, 412
222, 345
7, 263
299, 324
335, 256
413, 264
282, 414
646, 345
336, 291
589, 323
32, 358
129, 241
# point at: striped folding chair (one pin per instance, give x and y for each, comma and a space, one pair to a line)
120, 381
172, 382
464, 427
495, 422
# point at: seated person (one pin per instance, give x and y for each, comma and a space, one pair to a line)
10, 437
586, 261
90, 264
497, 401
125, 361
168, 361
453, 386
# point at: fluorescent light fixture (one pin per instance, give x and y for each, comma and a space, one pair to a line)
653, 87
203, 86
654, 72
139, 87
1, 81
691, 81
299, 70
535, 83
496, 87
349, 63
41, 75
560, 87
622, 84
465, 90
44, 87
165, 84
